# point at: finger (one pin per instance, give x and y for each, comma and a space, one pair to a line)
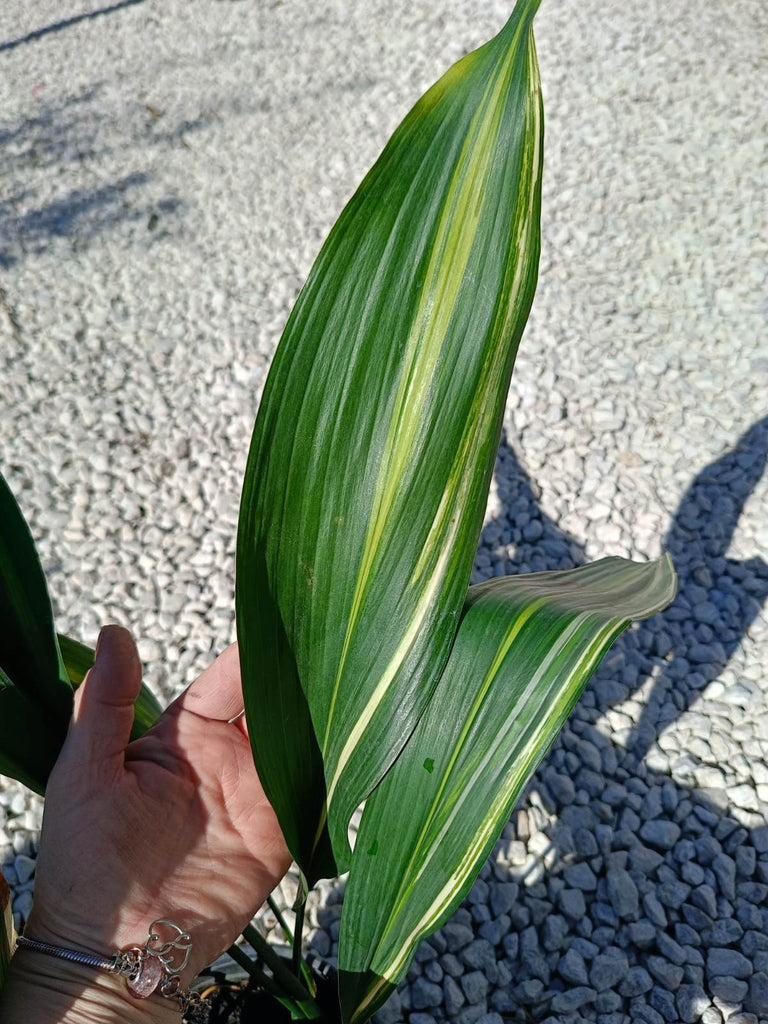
217, 692
103, 713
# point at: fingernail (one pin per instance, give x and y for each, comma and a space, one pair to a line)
98, 642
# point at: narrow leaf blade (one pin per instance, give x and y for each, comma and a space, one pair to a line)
525, 649
374, 444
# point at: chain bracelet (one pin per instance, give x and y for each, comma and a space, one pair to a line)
153, 968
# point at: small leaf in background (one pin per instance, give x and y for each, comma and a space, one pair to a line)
78, 659
375, 440
525, 650
38, 669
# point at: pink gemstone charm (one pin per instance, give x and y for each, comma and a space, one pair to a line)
150, 974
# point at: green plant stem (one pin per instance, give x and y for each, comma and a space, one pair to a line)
283, 975
280, 920
296, 1009
305, 972
252, 969
297, 937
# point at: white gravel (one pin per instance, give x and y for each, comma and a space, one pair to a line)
167, 173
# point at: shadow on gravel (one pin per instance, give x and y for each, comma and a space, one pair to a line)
81, 215
65, 137
617, 894
58, 26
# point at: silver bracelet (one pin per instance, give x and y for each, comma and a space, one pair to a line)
152, 968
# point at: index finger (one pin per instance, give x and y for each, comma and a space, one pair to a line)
216, 693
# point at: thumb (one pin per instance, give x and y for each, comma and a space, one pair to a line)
103, 712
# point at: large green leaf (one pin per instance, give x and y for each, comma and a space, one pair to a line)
375, 440
525, 649
29, 654
6, 929
78, 659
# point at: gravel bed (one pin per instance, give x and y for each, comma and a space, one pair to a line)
167, 173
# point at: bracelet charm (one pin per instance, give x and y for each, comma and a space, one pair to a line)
145, 978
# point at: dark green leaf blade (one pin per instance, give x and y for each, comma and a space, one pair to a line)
30, 740
28, 650
374, 444
525, 649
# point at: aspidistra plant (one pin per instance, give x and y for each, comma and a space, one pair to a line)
369, 671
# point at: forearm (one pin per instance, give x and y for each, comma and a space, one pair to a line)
42, 990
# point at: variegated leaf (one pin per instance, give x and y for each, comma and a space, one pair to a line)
525, 649
375, 440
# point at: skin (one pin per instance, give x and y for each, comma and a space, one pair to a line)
174, 825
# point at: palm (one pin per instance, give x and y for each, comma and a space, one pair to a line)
176, 827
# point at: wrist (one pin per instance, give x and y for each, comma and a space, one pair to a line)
43, 990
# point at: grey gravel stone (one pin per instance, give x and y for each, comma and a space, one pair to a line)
479, 954
475, 986
425, 994
654, 910
660, 834
421, 1018
453, 997
25, 867
580, 876
456, 935
727, 963
757, 1001
691, 1002
572, 904
503, 897
725, 873
608, 969
573, 999
636, 982
571, 967
646, 1014
670, 949
670, 975
723, 932
622, 892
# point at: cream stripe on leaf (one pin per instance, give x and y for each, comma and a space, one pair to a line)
524, 651
375, 439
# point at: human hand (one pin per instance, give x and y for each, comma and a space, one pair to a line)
173, 825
